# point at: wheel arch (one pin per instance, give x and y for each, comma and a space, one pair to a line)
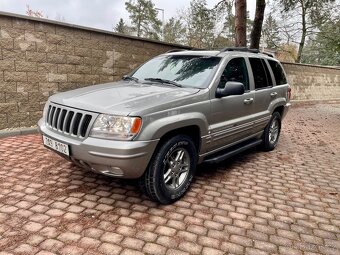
192, 131
279, 109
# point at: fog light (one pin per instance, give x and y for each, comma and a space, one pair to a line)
116, 170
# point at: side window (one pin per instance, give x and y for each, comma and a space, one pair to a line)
269, 77
236, 70
260, 77
279, 75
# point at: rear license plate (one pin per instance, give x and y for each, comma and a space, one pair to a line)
57, 146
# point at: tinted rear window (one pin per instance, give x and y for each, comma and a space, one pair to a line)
260, 77
279, 75
269, 78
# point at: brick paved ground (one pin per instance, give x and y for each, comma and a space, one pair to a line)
283, 202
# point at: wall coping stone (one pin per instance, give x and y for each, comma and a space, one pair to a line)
310, 65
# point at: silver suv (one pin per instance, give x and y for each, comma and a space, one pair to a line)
177, 110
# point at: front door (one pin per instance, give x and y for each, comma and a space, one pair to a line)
231, 116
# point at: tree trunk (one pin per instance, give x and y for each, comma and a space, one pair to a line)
241, 23
255, 35
304, 33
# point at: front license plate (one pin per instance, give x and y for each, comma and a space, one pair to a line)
57, 146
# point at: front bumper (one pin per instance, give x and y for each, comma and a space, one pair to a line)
124, 159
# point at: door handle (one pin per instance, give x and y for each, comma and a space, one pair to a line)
274, 94
248, 100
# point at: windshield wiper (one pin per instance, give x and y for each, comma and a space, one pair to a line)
163, 81
130, 78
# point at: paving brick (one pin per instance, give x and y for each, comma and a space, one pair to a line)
185, 235
208, 242
232, 248
200, 230
35, 239
252, 251
69, 237
169, 242
88, 242
108, 248
147, 236
288, 250
24, 249
211, 251
176, 252
155, 249
71, 249
51, 245
33, 227
162, 230
127, 221
245, 241
265, 246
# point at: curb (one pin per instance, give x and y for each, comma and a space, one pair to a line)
301, 103
315, 101
19, 131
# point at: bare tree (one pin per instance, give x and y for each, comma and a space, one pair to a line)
306, 16
60, 18
37, 14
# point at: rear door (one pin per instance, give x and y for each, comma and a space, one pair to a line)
264, 92
231, 116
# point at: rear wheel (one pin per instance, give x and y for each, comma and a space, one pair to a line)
272, 132
171, 170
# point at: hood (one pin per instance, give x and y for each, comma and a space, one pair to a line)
121, 98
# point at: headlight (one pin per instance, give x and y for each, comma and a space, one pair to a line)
116, 127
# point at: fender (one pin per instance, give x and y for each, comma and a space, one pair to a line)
281, 101
159, 127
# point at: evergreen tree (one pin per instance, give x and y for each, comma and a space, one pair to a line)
174, 31
144, 19
120, 27
271, 32
200, 25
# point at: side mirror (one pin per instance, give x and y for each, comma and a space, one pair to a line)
231, 88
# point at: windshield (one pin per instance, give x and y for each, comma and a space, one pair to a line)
188, 71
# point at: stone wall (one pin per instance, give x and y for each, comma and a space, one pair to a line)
310, 82
42, 57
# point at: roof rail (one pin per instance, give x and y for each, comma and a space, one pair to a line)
240, 49
175, 50
246, 50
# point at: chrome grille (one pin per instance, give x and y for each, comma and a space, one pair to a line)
68, 120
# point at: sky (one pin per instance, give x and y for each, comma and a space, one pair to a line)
102, 14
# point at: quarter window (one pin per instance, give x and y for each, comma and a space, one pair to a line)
236, 70
279, 74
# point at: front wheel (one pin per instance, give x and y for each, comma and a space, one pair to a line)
272, 132
171, 170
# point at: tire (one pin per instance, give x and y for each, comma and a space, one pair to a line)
171, 170
271, 133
